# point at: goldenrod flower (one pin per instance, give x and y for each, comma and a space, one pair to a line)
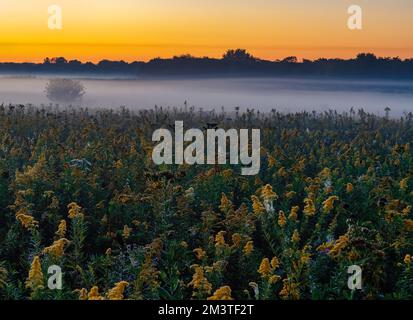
225, 205
295, 237
265, 268
248, 248
236, 239
339, 245
403, 184
282, 220
268, 194
223, 293
35, 279
57, 248
200, 253
257, 206
126, 232
116, 293
227, 173
61, 229
271, 161
275, 263
408, 224
329, 204
82, 293
309, 207
219, 239
294, 213
27, 221
290, 194
199, 282
289, 290
74, 210
94, 294
273, 279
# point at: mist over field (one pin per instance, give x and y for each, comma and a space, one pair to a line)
264, 94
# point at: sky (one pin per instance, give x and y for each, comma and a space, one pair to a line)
131, 30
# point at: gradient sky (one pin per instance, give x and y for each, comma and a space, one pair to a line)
144, 29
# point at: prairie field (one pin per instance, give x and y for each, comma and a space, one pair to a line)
79, 190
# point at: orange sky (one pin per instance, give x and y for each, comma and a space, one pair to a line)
141, 30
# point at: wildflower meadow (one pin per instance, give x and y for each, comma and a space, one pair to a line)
79, 190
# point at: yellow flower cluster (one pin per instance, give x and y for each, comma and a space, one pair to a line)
35, 279
61, 229
116, 293
329, 204
199, 282
74, 210
57, 248
223, 293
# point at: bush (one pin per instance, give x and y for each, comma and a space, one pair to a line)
64, 90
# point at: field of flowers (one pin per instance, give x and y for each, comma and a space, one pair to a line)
78, 189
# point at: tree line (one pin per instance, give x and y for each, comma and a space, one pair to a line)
234, 62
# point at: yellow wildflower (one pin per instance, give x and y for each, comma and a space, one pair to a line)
339, 245
74, 210
403, 184
200, 253
282, 220
295, 237
257, 206
408, 224
294, 213
35, 279
265, 268
116, 293
223, 293
61, 229
82, 293
289, 290
57, 248
268, 194
349, 188
329, 204
126, 232
199, 282
94, 294
248, 248
225, 203
290, 194
274, 278
408, 259
309, 208
236, 239
275, 263
27, 221
271, 161
219, 239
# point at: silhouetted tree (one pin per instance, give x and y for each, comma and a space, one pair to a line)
64, 90
238, 55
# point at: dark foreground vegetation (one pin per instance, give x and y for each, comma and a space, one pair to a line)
78, 189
